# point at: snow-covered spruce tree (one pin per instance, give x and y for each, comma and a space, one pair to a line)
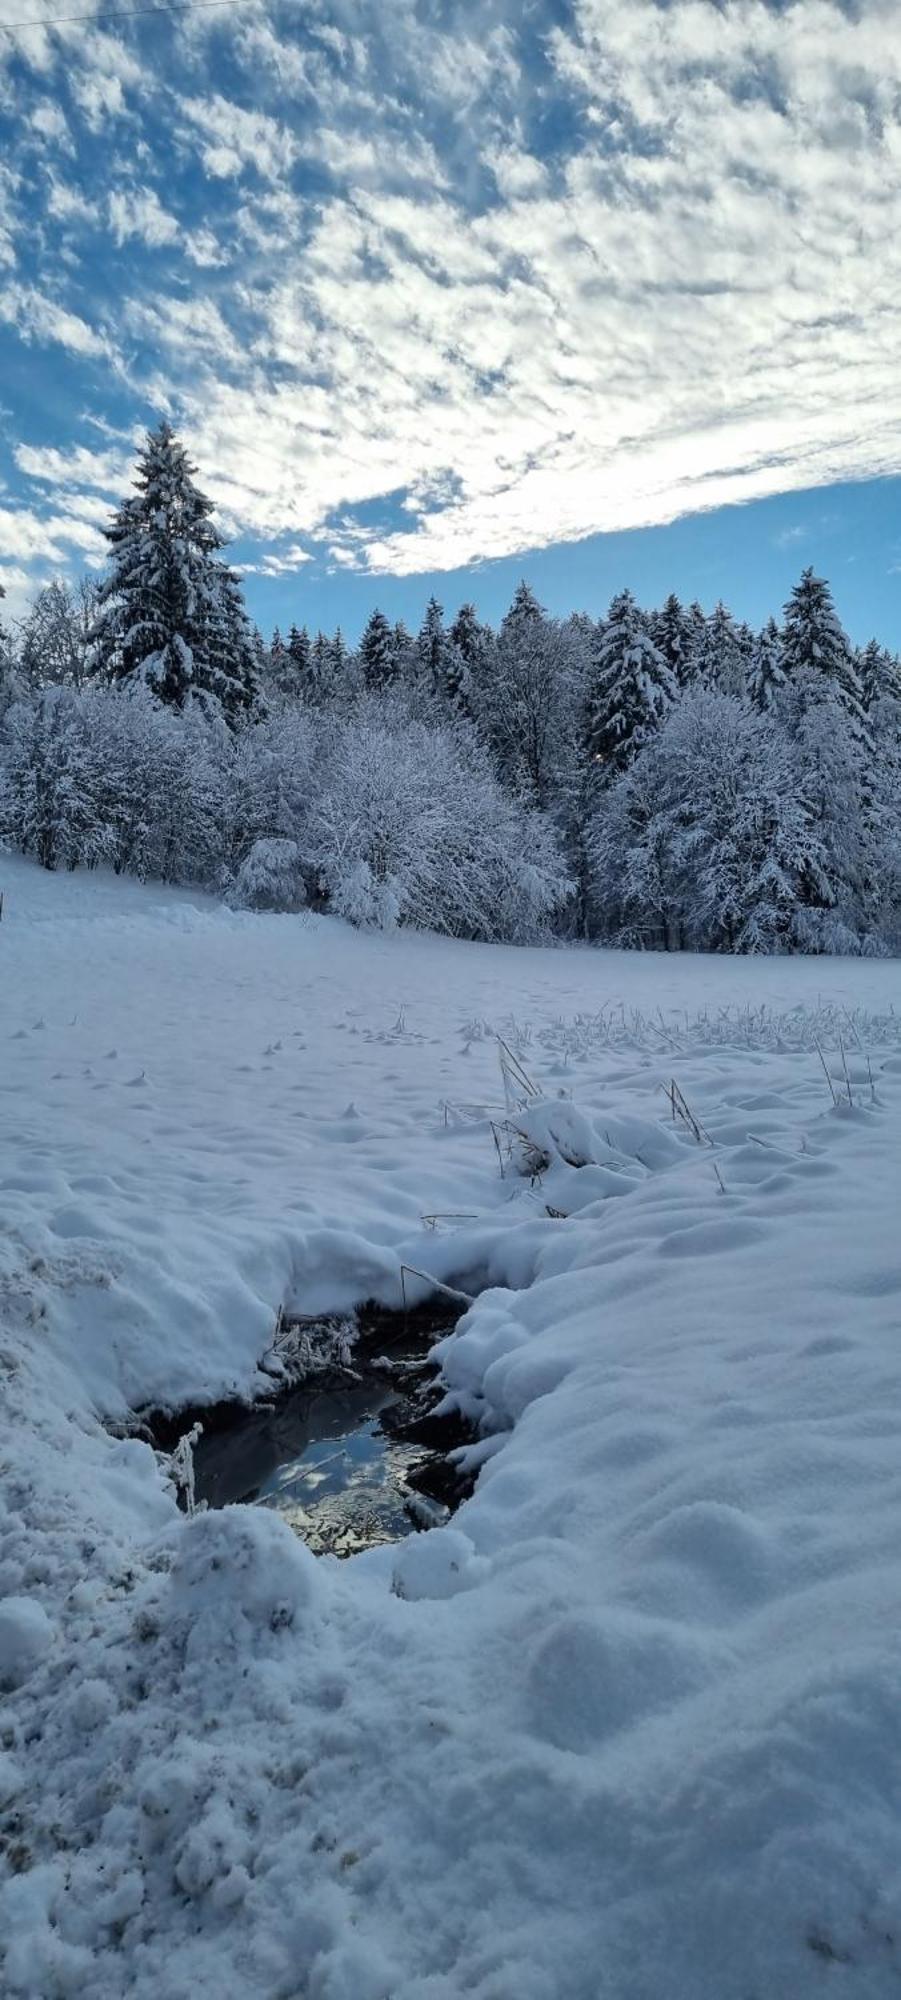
434, 650
722, 662
879, 673
331, 676
378, 661
525, 704
471, 650
279, 666
766, 670
300, 655
407, 669
9, 686
630, 687
48, 780
340, 666
233, 665
833, 762
884, 721
672, 632
813, 639
285, 676
170, 612
704, 843
319, 680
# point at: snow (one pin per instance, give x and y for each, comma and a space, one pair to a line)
627, 1726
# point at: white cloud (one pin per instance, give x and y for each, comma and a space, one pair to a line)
49, 120
68, 204
43, 319
104, 471
99, 98
281, 564
25, 536
231, 138
138, 212
691, 299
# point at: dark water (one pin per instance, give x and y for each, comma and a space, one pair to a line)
348, 1464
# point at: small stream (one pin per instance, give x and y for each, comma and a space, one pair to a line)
348, 1462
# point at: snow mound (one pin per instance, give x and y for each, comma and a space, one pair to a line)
26, 1634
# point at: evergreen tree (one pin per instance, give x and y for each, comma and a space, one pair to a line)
320, 675
766, 672
234, 649
696, 618
671, 631
170, 612
378, 657
8, 687
469, 650
468, 636
879, 674
433, 648
524, 701
631, 687
300, 654
279, 673
339, 664
832, 773
406, 655
813, 640
722, 661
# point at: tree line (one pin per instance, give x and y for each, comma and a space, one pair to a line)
656, 778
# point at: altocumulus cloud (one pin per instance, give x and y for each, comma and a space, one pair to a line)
424, 291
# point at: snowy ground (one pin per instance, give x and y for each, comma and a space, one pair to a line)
630, 1726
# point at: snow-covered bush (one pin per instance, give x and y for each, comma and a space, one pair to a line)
270, 877
411, 826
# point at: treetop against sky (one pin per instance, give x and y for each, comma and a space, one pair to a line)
436, 289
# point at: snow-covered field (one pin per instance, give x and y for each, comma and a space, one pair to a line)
628, 1727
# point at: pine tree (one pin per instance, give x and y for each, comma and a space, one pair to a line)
320, 675
300, 653
696, 619
813, 639
525, 612
8, 686
406, 655
470, 649
378, 652
339, 663
671, 631
433, 647
879, 674
631, 687
524, 701
766, 672
170, 612
231, 667
722, 661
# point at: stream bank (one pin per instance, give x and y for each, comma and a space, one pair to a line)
352, 1454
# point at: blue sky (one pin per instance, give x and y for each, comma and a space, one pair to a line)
444, 293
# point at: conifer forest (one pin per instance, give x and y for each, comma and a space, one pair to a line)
659, 778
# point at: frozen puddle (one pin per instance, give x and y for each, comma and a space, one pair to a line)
348, 1464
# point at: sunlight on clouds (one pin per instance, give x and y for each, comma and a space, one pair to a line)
105, 471
541, 280
40, 318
